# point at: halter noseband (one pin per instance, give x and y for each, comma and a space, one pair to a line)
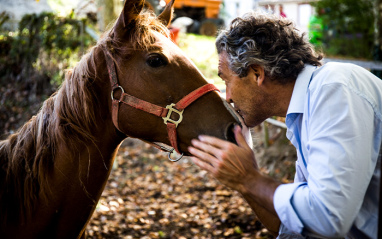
159, 111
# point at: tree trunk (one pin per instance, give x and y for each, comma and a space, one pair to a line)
106, 14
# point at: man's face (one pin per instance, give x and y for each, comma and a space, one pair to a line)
248, 97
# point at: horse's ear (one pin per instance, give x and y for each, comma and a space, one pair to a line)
166, 16
130, 12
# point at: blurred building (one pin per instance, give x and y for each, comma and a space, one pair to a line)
236, 8
16, 9
299, 11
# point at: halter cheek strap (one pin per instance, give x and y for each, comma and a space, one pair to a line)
148, 107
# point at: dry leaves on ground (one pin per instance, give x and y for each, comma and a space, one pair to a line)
148, 196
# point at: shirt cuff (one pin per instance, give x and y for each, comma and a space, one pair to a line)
282, 202
284, 233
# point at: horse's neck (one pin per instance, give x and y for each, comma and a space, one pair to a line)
72, 190
80, 176
72, 186
87, 167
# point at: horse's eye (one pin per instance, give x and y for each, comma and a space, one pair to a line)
156, 60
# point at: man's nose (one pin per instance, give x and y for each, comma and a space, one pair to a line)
228, 96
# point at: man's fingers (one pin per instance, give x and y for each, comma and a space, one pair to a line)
201, 153
203, 165
214, 142
208, 145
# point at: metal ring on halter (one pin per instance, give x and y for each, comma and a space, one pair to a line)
112, 91
174, 160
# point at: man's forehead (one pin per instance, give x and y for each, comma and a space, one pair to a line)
223, 63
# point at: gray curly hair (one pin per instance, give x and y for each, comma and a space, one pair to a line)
268, 41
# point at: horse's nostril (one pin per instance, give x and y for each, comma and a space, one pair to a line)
229, 134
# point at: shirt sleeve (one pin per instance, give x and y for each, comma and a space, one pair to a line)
339, 134
285, 210
284, 233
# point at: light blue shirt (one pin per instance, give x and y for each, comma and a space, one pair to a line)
334, 121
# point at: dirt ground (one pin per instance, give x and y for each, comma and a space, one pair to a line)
147, 196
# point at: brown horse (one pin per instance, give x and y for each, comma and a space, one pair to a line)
55, 167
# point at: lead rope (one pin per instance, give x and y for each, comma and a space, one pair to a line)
165, 149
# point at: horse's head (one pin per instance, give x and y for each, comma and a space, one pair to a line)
151, 74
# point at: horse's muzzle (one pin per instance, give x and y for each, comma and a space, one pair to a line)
229, 134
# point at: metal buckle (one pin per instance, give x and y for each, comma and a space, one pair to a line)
170, 110
113, 90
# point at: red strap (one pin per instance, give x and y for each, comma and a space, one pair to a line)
160, 111
181, 105
149, 107
194, 95
114, 114
111, 69
143, 105
172, 136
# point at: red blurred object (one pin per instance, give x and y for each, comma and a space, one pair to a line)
174, 32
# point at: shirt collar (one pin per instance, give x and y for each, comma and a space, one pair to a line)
300, 88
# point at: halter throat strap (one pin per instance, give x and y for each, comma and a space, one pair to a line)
164, 112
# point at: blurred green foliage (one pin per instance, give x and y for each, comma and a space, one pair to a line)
33, 61
202, 51
42, 43
348, 27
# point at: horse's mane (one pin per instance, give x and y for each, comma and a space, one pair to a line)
66, 118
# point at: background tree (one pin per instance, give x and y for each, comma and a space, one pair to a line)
108, 10
349, 27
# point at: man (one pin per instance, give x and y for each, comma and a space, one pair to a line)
333, 114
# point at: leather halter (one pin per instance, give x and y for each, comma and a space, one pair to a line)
159, 111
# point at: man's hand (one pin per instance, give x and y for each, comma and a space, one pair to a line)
231, 164
235, 166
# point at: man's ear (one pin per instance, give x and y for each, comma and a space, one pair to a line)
166, 16
259, 72
129, 14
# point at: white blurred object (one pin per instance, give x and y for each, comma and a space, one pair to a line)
18, 8
162, 3
85, 7
247, 134
182, 23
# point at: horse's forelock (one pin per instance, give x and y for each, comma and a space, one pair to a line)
139, 36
